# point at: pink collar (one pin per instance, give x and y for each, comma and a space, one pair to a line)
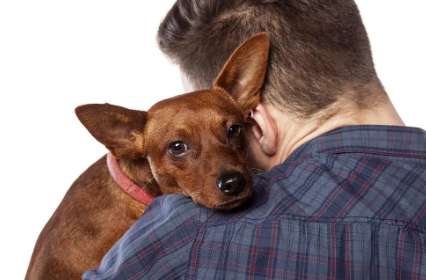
127, 185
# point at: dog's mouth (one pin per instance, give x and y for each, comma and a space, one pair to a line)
229, 205
235, 202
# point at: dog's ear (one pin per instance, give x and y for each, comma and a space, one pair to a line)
244, 73
118, 128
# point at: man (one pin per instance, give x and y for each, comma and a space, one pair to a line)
343, 195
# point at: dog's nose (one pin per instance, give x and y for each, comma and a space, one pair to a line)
231, 183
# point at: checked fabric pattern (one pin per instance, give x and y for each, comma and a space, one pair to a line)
350, 204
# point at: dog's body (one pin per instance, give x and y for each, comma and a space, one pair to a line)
92, 216
190, 144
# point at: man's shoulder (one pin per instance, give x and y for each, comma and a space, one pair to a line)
169, 212
303, 212
161, 238
337, 187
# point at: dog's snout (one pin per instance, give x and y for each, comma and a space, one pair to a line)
231, 183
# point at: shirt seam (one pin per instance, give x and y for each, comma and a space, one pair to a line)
375, 151
198, 237
347, 220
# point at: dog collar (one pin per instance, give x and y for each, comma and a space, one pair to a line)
127, 185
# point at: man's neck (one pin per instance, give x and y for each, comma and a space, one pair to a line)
295, 132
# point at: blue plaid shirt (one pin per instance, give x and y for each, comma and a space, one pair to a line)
350, 204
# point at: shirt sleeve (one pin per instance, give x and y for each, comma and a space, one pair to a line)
157, 246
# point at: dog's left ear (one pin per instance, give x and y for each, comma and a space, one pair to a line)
244, 73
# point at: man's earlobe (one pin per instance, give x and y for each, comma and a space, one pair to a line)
118, 128
244, 73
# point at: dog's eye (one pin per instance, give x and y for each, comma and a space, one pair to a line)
234, 130
178, 148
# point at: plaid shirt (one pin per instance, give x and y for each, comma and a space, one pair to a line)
350, 204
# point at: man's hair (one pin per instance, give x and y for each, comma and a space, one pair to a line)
318, 47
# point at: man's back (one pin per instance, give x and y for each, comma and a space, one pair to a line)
350, 204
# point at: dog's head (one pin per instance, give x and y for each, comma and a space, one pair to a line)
195, 142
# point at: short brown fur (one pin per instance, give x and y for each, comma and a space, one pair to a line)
95, 212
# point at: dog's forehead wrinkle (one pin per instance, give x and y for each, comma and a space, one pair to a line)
190, 118
203, 114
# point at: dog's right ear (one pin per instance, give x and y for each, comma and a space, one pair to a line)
118, 128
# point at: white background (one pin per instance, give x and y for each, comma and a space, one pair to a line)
56, 55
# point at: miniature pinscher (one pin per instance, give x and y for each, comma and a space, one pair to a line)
192, 144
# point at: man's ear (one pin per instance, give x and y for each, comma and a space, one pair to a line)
244, 73
265, 130
118, 128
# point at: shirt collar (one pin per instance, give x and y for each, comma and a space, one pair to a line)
376, 139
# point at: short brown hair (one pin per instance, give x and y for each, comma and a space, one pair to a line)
318, 47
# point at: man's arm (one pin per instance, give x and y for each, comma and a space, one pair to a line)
157, 246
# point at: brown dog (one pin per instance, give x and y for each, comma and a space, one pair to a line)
192, 144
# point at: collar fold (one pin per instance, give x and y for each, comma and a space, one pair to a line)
126, 184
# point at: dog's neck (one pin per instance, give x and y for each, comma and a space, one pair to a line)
134, 177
